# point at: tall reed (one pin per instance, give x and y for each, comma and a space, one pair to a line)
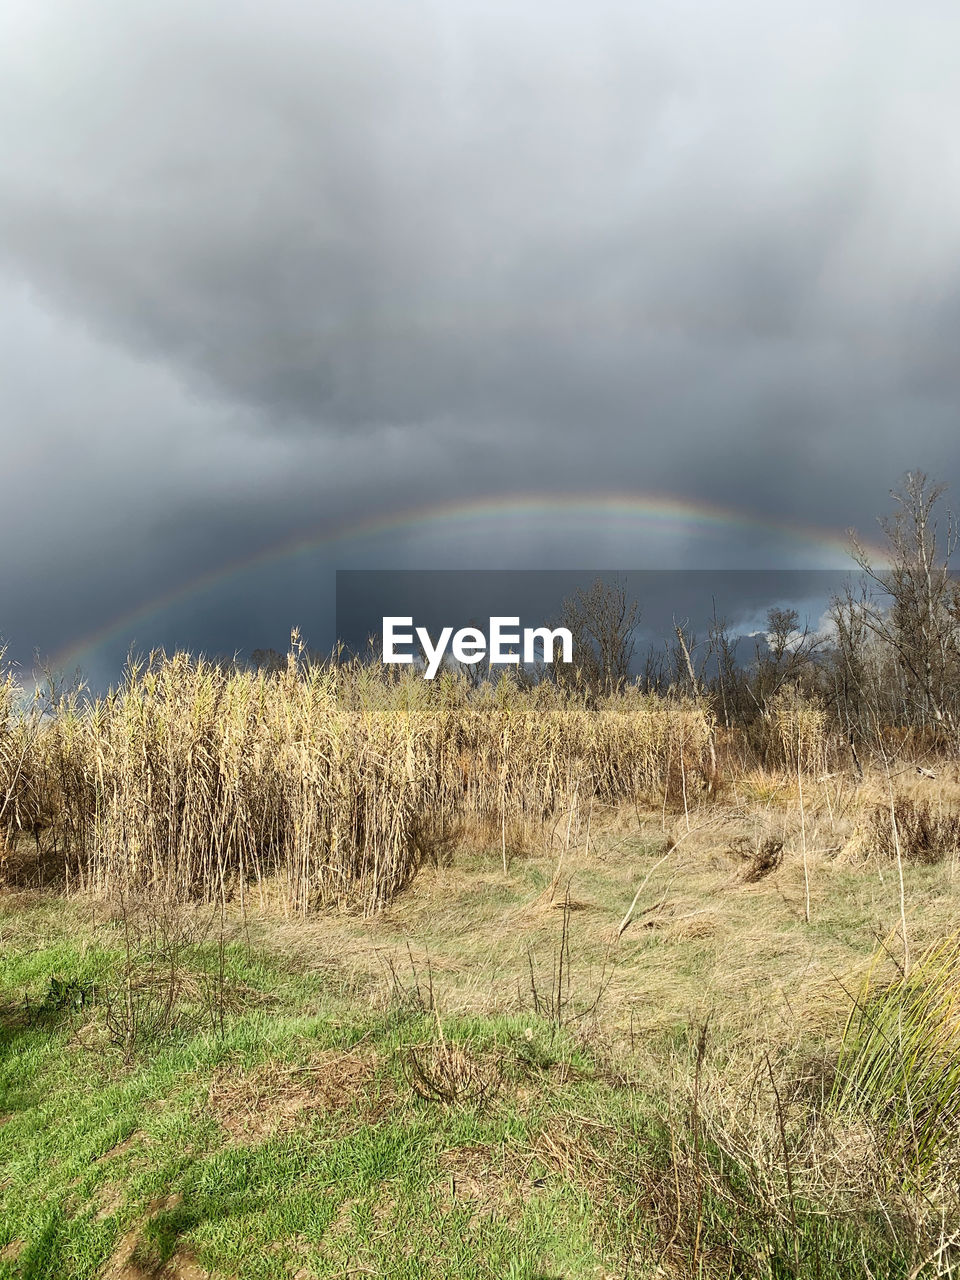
327, 781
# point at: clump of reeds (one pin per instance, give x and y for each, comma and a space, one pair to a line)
8, 751
899, 1064
799, 723
15, 807
332, 781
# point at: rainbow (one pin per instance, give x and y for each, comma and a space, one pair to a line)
634, 513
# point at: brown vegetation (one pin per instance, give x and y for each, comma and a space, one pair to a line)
273, 1098
331, 782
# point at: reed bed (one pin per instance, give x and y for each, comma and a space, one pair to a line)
330, 782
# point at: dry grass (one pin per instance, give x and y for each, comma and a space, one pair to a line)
255, 1104
331, 784
703, 939
926, 830
490, 1179
584, 869
742, 913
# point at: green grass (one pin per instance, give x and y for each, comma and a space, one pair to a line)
94, 1146
613, 1147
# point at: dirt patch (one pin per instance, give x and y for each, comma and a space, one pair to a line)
125, 1266
183, 1266
276, 1098
12, 1251
128, 1264
124, 1263
492, 1180
121, 1148
109, 1199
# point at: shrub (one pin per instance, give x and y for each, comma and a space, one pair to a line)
925, 834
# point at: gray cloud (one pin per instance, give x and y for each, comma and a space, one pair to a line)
265, 266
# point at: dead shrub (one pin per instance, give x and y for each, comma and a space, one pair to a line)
925, 833
766, 858
166, 987
449, 1073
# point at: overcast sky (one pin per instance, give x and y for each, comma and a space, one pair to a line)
273, 268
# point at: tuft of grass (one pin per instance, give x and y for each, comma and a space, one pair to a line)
899, 1062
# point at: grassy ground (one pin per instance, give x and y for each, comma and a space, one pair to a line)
490, 1078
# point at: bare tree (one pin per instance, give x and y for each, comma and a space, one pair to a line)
722, 648
918, 611
785, 654
602, 622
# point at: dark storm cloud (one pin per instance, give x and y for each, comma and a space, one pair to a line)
321, 215
391, 213
268, 266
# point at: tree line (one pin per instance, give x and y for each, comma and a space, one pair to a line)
888, 660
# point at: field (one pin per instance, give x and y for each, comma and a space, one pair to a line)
310, 981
